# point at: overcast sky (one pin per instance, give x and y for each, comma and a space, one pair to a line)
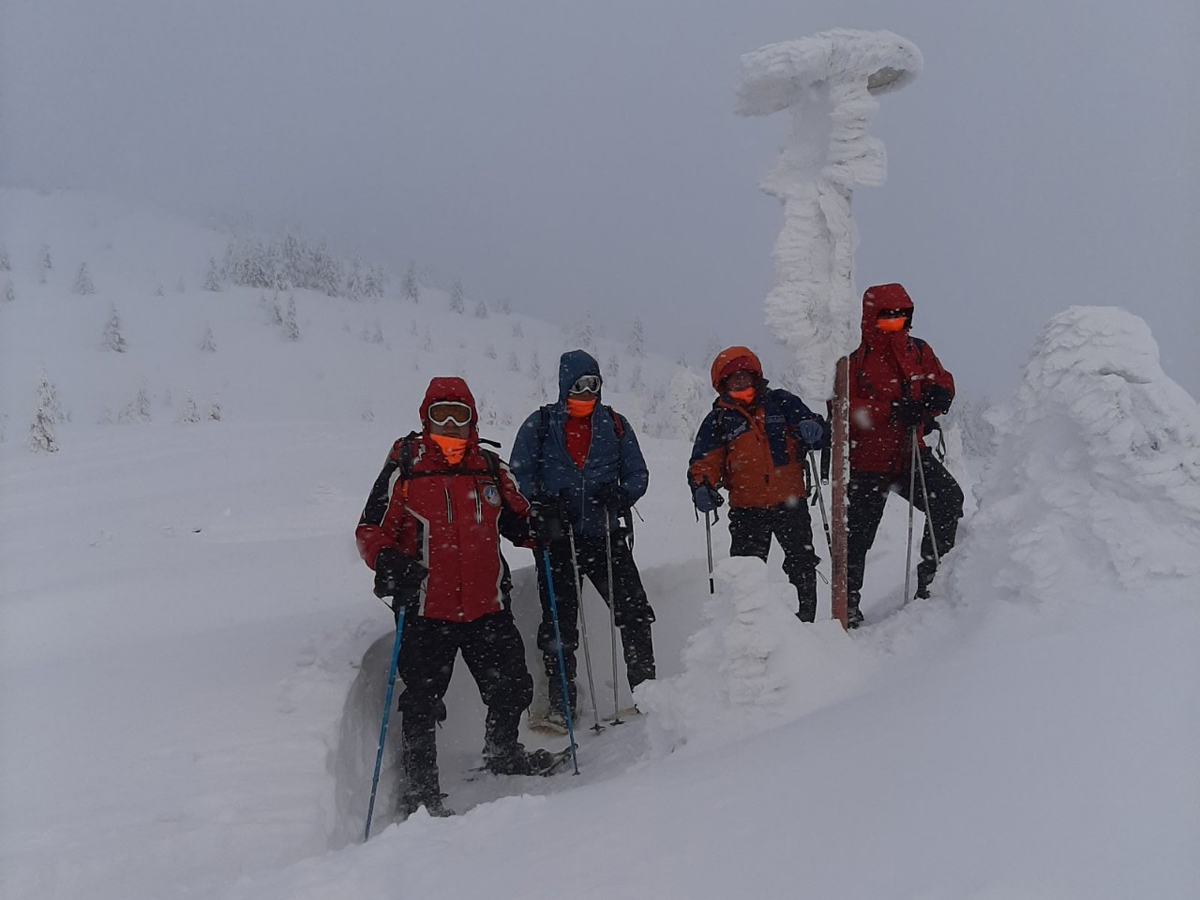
581, 156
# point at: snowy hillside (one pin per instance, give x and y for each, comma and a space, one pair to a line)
192, 663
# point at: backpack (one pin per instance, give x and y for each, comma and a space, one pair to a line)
405, 460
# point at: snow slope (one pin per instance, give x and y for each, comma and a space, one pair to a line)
191, 662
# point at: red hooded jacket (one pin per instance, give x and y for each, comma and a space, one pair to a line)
448, 517
886, 367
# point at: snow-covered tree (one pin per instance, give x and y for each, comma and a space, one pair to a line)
411, 288
637, 340
457, 300
355, 280
291, 328
212, 279
517, 330
113, 338
180, 287
373, 282
83, 282
373, 333
10, 293
427, 342
490, 351
214, 412
506, 306
46, 265
47, 413
481, 310
190, 413
5, 263
368, 412
208, 343
612, 368
159, 291
635, 380
685, 408
514, 361
583, 335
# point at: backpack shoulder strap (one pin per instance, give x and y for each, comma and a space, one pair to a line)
618, 425
404, 458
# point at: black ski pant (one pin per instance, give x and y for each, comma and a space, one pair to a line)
495, 655
633, 612
750, 532
867, 495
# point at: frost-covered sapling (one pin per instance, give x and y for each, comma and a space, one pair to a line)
83, 282
458, 302
113, 338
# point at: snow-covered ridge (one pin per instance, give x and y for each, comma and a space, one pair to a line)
144, 340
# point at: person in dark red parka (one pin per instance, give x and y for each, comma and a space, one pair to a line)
897, 389
431, 531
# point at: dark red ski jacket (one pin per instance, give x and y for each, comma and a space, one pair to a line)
888, 367
450, 518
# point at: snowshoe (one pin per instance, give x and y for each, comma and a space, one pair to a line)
554, 722
522, 762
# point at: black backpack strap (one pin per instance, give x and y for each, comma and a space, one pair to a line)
618, 425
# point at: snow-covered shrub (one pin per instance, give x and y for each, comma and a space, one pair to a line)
212, 279
113, 339
47, 414
291, 328
83, 282
208, 344
458, 302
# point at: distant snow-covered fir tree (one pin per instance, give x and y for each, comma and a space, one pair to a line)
47, 413
368, 412
158, 290
412, 328
208, 343
481, 310
291, 328
83, 282
514, 361
458, 301
637, 340
410, 287
214, 412
517, 330
583, 335
490, 351
212, 279
635, 380
373, 282
427, 342
5, 262
113, 339
190, 413
138, 409
612, 367
373, 333
355, 280
684, 405
276, 311
45, 265
535, 367
506, 306
180, 286
10, 293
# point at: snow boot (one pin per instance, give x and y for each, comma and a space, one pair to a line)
925, 572
854, 616
806, 593
432, 803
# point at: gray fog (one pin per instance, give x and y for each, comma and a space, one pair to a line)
585, 156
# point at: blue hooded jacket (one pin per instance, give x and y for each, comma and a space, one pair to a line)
550, 469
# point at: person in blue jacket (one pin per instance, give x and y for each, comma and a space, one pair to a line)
579, 463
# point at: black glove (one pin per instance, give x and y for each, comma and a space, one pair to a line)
613, 498
937, 399
396, 575
706, 497
548, 515
909, 412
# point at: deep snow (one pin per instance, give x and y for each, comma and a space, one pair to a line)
190, 672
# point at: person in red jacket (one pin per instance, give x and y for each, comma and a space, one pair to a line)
897, 389
431, 531
753, 444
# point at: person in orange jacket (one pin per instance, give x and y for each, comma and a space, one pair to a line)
898, 388
753, 444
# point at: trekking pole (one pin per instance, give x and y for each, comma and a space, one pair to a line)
920, 463
820, 499
387, 711
612, 616
708, 538
587, 653
912, 475
562, 665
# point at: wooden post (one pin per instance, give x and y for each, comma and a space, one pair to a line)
840, 471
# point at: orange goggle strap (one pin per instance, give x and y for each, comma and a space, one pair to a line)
453, 448
892, 325
579, 409
745, 395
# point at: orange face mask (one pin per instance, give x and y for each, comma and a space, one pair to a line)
891, 325
580, 409
743, 396
452, 448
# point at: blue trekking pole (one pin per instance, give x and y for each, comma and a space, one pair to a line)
387, 711
562, 664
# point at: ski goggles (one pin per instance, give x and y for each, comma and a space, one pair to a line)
586, 384
450, 411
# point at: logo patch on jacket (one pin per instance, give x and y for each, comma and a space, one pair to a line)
492, 495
